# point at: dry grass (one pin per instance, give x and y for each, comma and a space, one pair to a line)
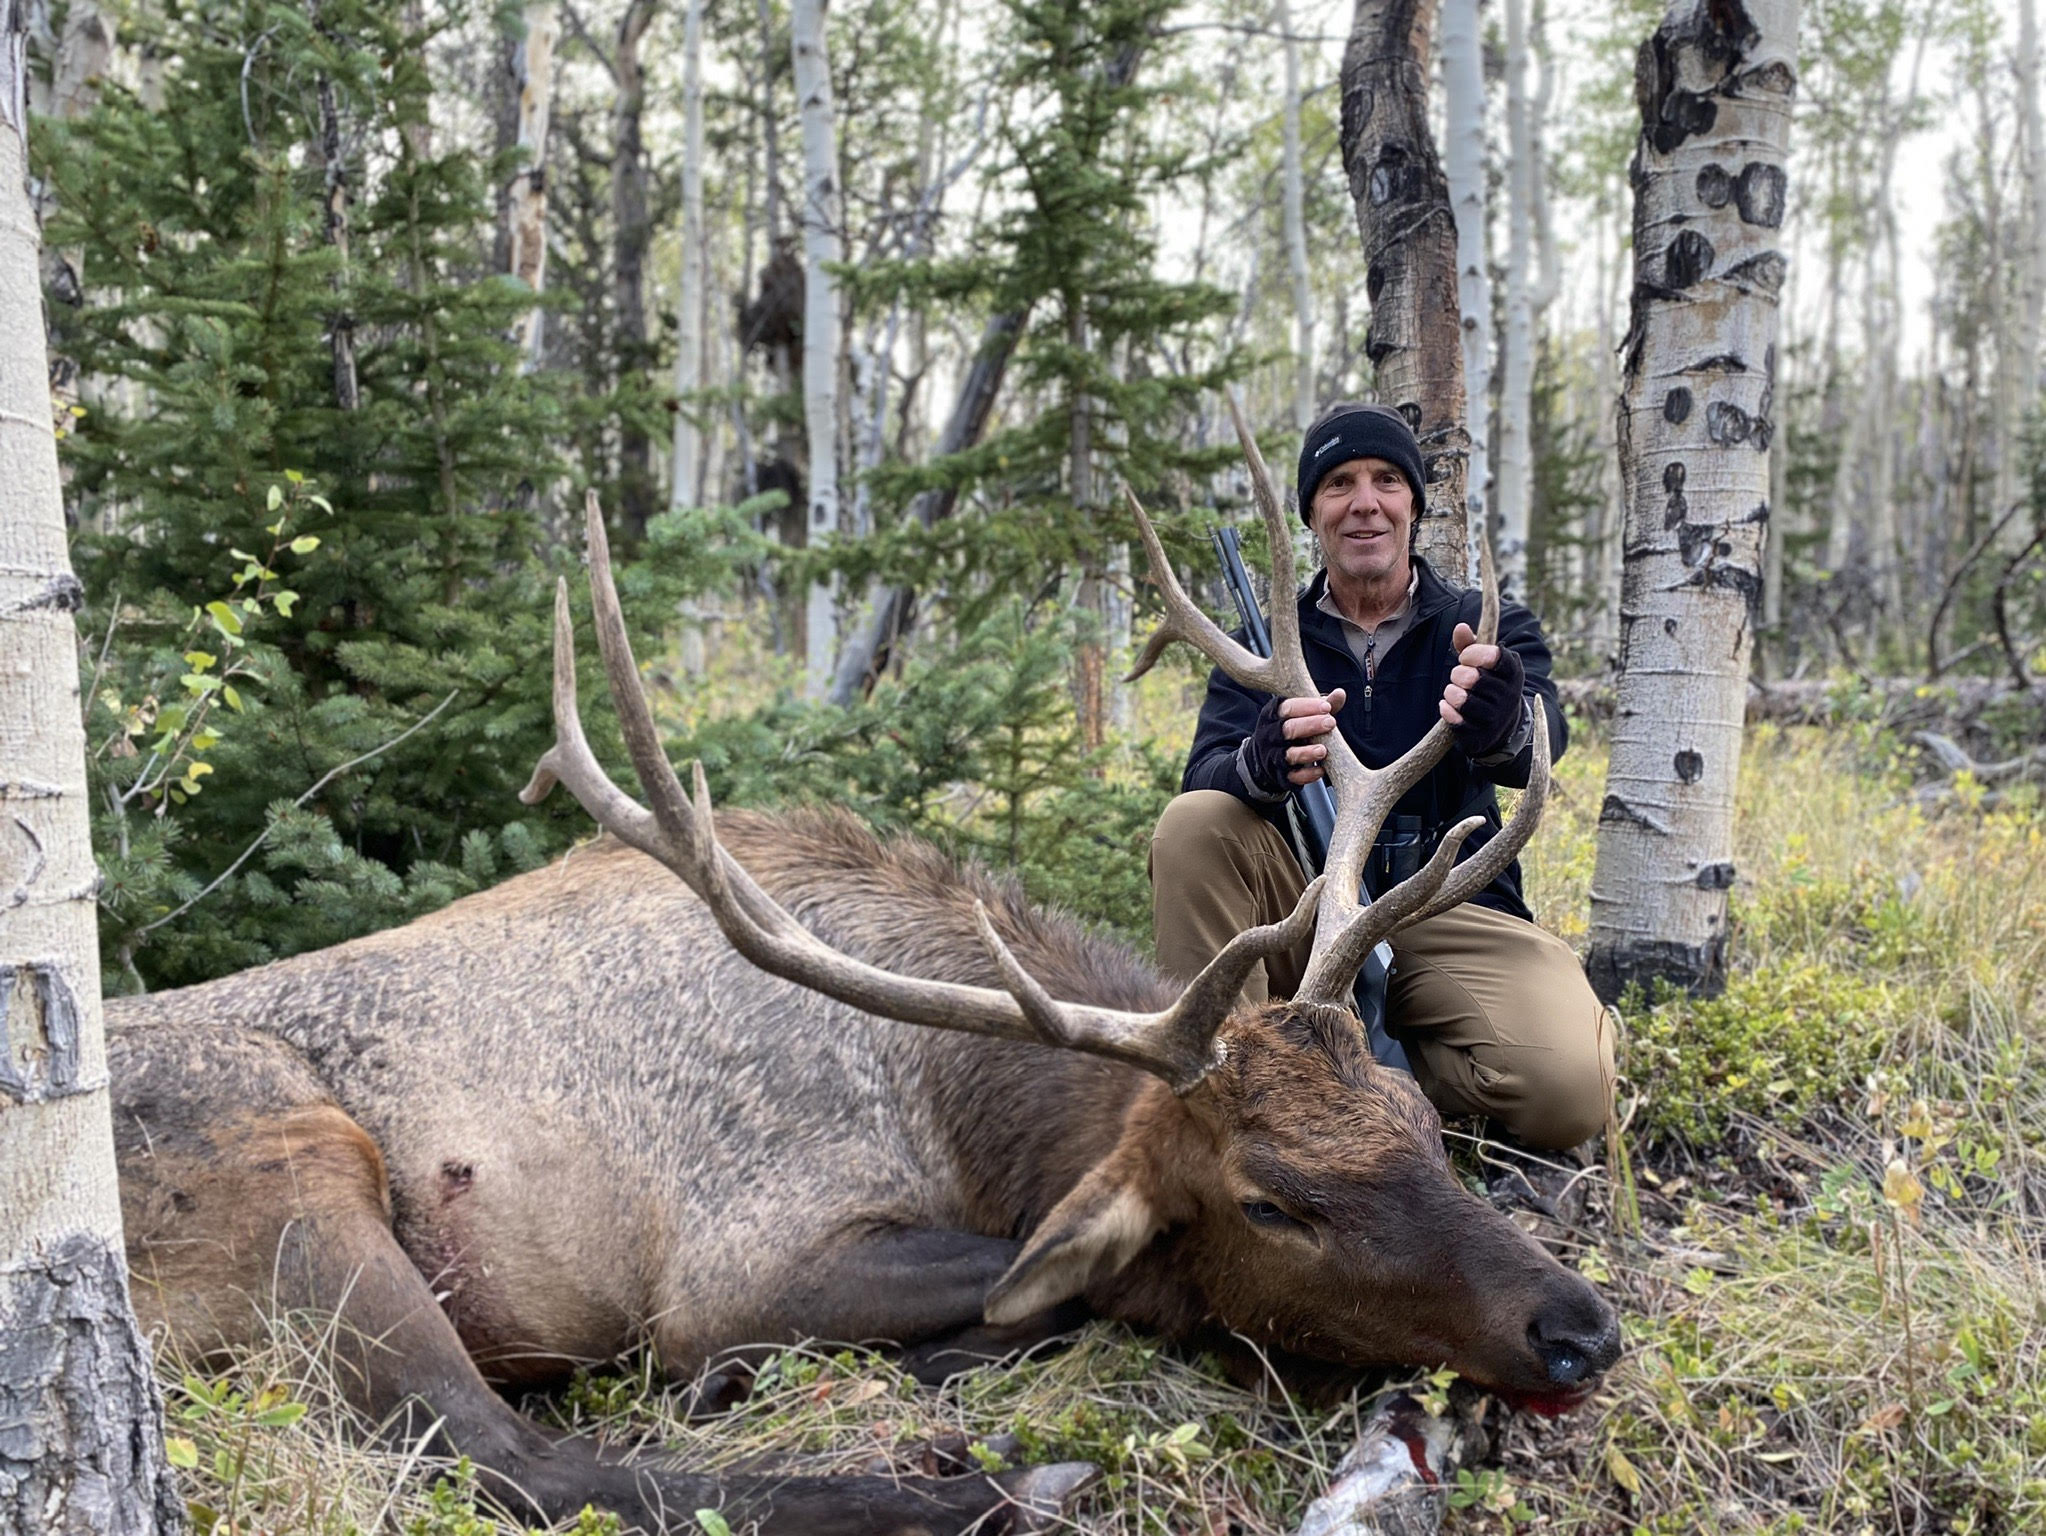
1836, 1307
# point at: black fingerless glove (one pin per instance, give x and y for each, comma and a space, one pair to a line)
1491, 713
1264, 751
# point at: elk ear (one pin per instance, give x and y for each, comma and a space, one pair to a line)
1101, 1225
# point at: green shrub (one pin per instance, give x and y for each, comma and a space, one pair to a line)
1777, 1044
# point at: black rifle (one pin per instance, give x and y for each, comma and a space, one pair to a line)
1316, 822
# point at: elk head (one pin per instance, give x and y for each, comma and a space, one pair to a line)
1275, 1172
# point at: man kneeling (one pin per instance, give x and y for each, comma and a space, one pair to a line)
1494, 1013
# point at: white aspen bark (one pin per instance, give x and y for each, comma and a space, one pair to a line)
1612, 506
1295, 219
821, 323
1715, 83
80, 58
2024, 339
688, 453
1516, 353
1463, 162
81, 1432
534, 66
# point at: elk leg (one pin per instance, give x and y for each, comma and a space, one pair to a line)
924, 1290
410, 1369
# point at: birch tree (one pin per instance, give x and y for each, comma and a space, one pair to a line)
1714, 85
532, 65
81, 1434
1463, 101
1295, 221
1409, 233
821, 325
684, 488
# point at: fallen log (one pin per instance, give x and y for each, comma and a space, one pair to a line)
1955, 706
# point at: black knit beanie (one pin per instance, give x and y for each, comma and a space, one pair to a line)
1360, 432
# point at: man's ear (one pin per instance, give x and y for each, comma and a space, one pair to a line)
1104, 1222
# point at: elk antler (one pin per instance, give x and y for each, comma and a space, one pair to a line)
1176, 1044
1346, 928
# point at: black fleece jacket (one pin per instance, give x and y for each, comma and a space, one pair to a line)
1383, 718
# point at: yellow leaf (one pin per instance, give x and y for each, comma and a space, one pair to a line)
1901, 1187
1918, 1124
180, 1452
1621, 1470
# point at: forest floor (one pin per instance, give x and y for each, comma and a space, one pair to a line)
1825, 1223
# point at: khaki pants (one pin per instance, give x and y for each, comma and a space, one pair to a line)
1495, 1014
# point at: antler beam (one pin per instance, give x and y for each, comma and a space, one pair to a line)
680, 832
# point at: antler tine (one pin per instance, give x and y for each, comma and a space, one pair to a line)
1284, 620
1185, 621
671, 809
1490, 861
1488, 591
570, 761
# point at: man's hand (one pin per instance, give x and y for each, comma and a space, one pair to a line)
1285, 745
1482, 702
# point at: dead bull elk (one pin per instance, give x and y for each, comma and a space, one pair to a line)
566, 1116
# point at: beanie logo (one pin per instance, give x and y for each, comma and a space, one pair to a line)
1334, 442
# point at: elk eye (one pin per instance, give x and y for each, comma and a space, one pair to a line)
1262, 1213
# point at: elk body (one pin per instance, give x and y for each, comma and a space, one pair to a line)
599, 1106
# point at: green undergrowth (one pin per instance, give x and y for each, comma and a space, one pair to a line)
1825, 1235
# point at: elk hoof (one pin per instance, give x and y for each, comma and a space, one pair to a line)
1041, 1494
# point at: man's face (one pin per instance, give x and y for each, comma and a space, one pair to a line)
1363, 513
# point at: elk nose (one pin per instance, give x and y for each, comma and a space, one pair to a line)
1575, 1342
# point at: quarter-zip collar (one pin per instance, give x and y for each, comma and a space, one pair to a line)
1431, 596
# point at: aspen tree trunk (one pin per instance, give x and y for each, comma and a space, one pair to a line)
1609, 510
1715, 83
2024, 371
820, 322
1295, 219
684, 488
81, 1422
1409, 234
334, 207
1463, 93
526, 199
631, 233
79, 58
1516, 354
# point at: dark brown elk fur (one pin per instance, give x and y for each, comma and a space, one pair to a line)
563, 1117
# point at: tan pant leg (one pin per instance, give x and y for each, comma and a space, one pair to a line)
1217, 868
1498, 1020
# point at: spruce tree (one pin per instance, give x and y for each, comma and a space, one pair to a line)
286, 576
1093, 402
